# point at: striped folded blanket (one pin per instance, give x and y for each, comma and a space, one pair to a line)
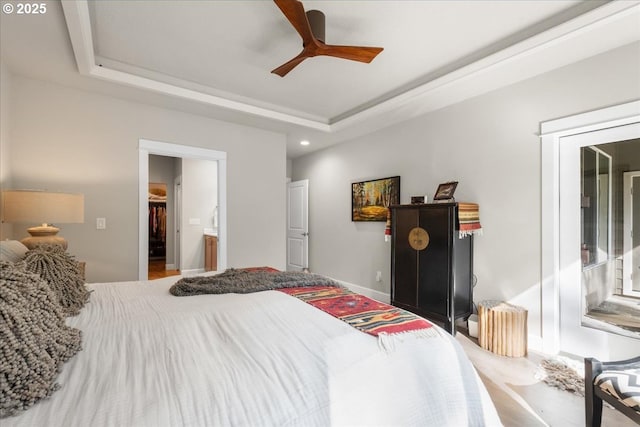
469, 219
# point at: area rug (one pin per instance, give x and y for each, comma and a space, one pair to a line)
562, 373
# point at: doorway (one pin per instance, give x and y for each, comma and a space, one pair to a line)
147, 148
562, 251
163, 203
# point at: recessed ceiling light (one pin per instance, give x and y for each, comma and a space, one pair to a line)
304, 142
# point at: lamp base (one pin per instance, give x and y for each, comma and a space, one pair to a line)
44, 235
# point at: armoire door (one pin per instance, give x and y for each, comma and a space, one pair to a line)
405, 286
434, 269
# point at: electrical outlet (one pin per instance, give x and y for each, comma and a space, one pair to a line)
101, 223
378, 276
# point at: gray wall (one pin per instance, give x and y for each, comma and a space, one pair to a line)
86, 142
490, 145
6, 230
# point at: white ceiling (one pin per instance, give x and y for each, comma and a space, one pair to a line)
215, 57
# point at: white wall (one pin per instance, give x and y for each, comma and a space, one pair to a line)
490, 145
289, 167
199, 199
6, 230
71, 140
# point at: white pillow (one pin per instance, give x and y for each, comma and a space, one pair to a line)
12, 250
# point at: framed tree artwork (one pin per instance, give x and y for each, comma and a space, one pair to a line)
370, 200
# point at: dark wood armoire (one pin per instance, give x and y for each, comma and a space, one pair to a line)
431, 266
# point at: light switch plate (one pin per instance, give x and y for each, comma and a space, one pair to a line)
101, 223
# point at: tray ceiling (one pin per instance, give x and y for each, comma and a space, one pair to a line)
217, 55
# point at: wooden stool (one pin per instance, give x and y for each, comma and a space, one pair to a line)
502, 328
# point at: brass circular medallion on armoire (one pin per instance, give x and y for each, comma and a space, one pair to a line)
418, 238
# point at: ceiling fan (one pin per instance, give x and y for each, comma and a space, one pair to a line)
310, 26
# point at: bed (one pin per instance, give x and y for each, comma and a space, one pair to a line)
267, 358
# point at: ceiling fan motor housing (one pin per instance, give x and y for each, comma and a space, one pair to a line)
317, 24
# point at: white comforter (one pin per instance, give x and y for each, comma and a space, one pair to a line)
262, 359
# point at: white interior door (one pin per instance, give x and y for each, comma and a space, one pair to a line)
631, 240
298, 225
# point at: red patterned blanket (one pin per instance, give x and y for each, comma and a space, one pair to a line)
370, 316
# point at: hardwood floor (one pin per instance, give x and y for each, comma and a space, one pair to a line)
157, 269
521, 400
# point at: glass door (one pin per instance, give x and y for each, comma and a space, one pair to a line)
631, 257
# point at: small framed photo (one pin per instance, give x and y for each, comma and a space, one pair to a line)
445, 190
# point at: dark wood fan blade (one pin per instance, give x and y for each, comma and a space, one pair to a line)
290, 65
294, 11
354, 53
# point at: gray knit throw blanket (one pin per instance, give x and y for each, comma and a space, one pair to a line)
34, 339
247, 281
61, 271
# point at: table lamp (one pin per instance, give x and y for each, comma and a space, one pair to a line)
43, 207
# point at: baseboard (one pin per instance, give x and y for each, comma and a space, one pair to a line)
169, 266
371, 293
192, 272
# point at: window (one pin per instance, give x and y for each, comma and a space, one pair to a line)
595, 206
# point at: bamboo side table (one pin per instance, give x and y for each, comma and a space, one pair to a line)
502, 328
